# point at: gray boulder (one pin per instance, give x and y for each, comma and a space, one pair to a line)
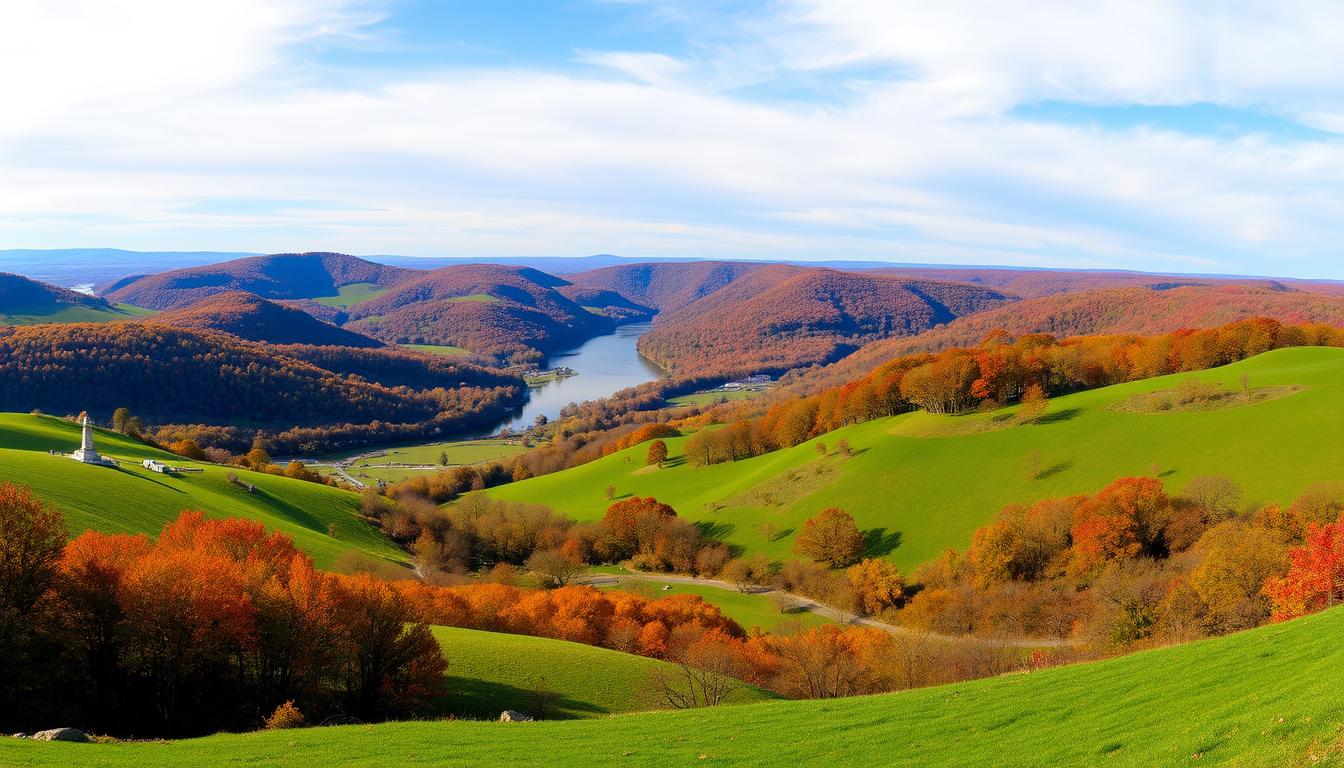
62, 734
510, 716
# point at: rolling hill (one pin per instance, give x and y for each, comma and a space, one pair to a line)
1134, 309
494, 311
278, 276
1262, 698
666, 286
489, 672
131, 499
253, 318
920, 483
781, 317
25, 302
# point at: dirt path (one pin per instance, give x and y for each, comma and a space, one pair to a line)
828, 611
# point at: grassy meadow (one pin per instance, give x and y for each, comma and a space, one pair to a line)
131, 499
349, 295
919, 483
748, 609
438, 349
70, 314
1266, 697
489, 672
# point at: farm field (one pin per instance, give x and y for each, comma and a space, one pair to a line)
714, 396
131, 499
1266, 697
438, 349
920, 483
489, 672
72, 314
350, 295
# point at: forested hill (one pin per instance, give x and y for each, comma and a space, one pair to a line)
509, 313
1135, 309
278, 276
182, 376
20, 293
253, 318
666, 287
781, 317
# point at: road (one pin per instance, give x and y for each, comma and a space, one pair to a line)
829, 611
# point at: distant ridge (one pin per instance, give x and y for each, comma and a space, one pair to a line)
277, 276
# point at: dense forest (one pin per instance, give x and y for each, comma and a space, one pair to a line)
666, 286
509, 313
781, 317
171, 375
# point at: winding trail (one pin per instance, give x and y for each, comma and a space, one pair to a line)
830, 611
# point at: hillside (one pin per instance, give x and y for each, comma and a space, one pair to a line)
494, 311
665, 286
1135, 309
278, 276
172, 375
253, 318
781, 317
489, 672
920, 483
131, 499
24, 302
1260, 698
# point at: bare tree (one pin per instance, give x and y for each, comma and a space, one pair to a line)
708, 672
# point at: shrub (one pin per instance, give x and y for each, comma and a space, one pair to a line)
285, 716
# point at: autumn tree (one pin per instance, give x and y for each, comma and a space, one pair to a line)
831, 537
32, 535
657, 453
877, 585
1315, 577
1034, 405
1219, 497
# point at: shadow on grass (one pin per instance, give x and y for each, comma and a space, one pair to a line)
1055, 417
139, 476
1055, 469
877, 541
291, 512
484, 699
674, 461
713, 530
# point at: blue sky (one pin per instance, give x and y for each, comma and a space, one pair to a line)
1166, 136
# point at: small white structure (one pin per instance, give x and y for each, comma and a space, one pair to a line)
156, 466
87, 454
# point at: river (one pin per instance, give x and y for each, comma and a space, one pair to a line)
605, 364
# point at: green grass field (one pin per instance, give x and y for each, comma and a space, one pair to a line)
749, 610
349, 295
71, 314
438, 349
919, 483
1267, 697
131, 499
489, 672
715, 396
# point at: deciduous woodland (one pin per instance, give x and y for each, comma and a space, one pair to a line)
175, 376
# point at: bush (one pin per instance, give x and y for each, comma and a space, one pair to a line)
285, 716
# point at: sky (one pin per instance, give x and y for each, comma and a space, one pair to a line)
1166, 136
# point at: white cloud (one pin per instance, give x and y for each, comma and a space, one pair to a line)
923, 166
